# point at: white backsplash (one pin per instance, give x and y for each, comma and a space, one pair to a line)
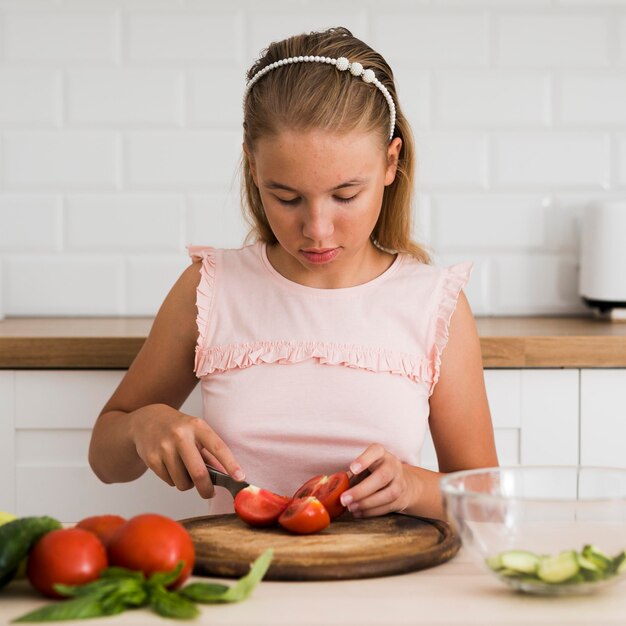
120, 138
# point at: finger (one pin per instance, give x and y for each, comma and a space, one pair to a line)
197, 472
385, 497
214, 444
367, 458
378, 479
161, 471
211, 460
375, 512
178, 472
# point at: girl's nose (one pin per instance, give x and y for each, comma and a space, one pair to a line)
318, 224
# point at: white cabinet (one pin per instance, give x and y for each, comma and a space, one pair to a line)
46, 421
603, 417
535, 415
540, 416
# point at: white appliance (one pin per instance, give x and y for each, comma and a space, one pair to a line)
603, 258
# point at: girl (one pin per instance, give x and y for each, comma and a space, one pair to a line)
330, 342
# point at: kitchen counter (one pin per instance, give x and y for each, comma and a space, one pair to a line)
112, 343
457, 592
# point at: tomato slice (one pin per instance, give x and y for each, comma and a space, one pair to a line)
259, 507
327, 489
305, 516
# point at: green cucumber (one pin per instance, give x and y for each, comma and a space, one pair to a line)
521, 561
16, 540
559, 568
619, 563
596, 556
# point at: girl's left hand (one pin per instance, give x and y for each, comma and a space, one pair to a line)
389, 487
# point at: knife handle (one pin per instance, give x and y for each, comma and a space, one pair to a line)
220, 479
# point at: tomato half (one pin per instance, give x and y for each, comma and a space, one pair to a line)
327, 489
305, 516
71, 556
153, 543
259, 507
103, 526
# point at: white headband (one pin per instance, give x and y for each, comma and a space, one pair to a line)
342, 64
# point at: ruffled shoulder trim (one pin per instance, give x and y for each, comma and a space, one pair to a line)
239, 356
455, 278
205, 289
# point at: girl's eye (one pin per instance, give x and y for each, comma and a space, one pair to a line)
345, 200
288, 202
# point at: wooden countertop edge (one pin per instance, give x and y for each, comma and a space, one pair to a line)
565, 351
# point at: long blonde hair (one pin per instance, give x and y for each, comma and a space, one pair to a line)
307, 96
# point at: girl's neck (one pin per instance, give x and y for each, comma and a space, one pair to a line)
346, 271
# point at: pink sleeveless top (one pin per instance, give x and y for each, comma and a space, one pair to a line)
298, 381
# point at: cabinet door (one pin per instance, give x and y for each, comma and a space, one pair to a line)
54, 414
550, 416
603, 417
535, 416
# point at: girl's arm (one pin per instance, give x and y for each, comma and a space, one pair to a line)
140, 427
460, 425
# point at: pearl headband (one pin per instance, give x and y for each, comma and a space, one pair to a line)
342, 64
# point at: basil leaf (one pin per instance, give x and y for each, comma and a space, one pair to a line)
77, 608
166, 578
115, 572
169, 604
244, 586
96, 589
209, 593
128, 593
203, 592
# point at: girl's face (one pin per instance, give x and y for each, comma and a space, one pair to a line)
322, 194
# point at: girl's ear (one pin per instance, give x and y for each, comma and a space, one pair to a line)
393, 156
251, 163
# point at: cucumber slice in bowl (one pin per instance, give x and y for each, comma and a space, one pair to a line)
568, 572
559, 568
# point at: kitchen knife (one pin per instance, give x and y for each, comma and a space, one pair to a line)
235, 486
224, 480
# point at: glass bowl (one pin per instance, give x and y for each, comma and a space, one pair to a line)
554, 530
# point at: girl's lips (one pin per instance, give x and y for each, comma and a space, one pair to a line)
320, 257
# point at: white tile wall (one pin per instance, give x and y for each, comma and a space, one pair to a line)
120, 138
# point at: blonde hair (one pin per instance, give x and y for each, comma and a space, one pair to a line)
308, 96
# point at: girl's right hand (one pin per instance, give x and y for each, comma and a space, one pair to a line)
174, 446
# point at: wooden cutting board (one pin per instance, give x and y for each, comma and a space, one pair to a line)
348, 548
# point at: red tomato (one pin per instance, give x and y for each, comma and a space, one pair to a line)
71, 556
153, 543
103, 526
259, 507
327, 489
305, 516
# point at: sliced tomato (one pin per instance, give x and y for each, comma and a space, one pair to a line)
305, 516
259, 507
328, 490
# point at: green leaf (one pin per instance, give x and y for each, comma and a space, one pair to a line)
116, 572
77, 608
211, 593
169, 604
244, 586
166, 578
130, 593
203, 592
96, 589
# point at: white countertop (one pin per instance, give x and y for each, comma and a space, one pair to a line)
457, 592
